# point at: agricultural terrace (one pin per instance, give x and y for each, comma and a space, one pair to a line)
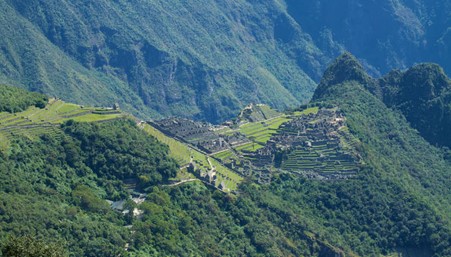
34, 121
179, 151
262, 131
183, 153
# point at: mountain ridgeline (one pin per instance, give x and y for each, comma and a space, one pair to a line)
94, 183
421, 94
207, 59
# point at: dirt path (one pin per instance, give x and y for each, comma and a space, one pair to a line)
182, 182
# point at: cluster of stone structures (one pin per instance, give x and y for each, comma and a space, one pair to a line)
199, 134
312, 145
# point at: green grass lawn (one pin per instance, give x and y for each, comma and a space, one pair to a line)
224, 155
93, 117
59, 111
249, 147
307, 111
262, 131
56, 112
179, 151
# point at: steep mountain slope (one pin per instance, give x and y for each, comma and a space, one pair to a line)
29, 60
385, 34
55, 185
423, 95
198, 59
395, 153
207, 59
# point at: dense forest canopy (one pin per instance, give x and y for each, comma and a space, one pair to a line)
13, 99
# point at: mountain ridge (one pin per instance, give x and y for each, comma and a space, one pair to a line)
396, 202
207, 60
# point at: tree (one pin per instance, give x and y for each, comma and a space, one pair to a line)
28, 246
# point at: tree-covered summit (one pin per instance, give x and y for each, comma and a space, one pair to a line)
422, 93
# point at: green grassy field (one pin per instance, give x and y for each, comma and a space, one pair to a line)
262, 131
34, 121
307, 111
249, 147
182, 153
179, 151
223, 155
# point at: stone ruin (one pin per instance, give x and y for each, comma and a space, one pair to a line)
311, 146
199, 134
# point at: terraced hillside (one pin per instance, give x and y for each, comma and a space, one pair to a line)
319, 146
257, 112
313, 142
221, 156
34, 121
212, 171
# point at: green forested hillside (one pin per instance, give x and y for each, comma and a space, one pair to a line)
13, 99
207, 59
55, 187
423, 95
199, 59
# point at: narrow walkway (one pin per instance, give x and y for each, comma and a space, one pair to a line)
182, 182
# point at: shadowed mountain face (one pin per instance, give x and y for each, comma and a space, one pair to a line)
384, 34
422, 94
204, 59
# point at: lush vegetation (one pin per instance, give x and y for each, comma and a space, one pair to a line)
13, 99
30, 247
423, 95
174, 57
409, 192
207, 59
54, 188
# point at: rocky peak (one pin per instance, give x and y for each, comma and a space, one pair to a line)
345, 68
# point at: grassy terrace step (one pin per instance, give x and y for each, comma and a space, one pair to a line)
32, 133
224, 155
307, 111
35, 122
182, 153
178, 150
248, 147
9, 119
